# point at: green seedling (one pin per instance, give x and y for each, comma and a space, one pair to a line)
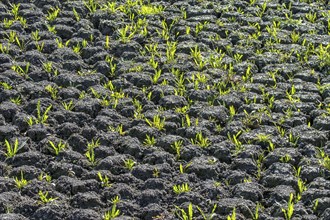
90, 154
20, 183
20, 70
6, 86
301, 188
297, 171
156, 76
151, 9
232, 111
178, 189
40, 46
111, 7
84, 43
186, 121
91, 5
170, 51
15, 10
325, 162
76, 48
51, 29
107, 42
12, 149
114, 212
263, 138
8, 23
200, 27
293, 139
23, 22
35, 35
155, 172
41, 118
238, 57
119, 129
183, 215
311, 17
149, 141
288, 212
60, 44
129, 164
234, 139
112, 65
200, 140
126, 33
82, 95
52, 90
45, 176
20, 43
57, 148
17, 100
156, 122
294, 37
209, 216
68, 105
53, 13
44, 197
255, 215
316, 204
104, 180
183, 169
233, 215
286, 158
176, 146
11, 37
76, 14
4, 49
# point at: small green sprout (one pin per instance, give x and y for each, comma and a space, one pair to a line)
288, 212
149, 141
6, 86
41, 118
178, 189
200, 140
183, 215
68, 105
293, 139
155, 172
104, 180
53, 13
91, 5
129, 164
114, 212
286, 158
119, 129
8, 23
235, 141
15, 10
52, 90
20, 70
233, 215
76, 15
45, 176
183, 169
316, 204
176, 146
90, 155
12, 149
44, 197
22, 182
57, 148
16, 100
156, 122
